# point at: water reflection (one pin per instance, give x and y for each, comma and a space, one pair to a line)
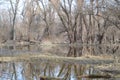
33, 71
47, 70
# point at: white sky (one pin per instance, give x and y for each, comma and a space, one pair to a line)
5, 4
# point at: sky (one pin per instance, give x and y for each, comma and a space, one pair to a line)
5, 4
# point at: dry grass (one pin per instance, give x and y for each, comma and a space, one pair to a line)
40, 57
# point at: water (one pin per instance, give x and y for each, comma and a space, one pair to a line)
55, 70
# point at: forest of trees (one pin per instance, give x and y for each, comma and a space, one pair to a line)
62, 21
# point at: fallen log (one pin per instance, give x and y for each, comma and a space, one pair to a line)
93, 76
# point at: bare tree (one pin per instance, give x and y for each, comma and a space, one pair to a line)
14, 8
47, 15
69, 18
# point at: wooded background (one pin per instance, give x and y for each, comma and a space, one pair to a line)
61, 21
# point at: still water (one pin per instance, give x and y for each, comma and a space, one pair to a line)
52, 70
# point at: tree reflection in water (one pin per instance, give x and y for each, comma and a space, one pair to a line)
37, 70
27, 70
33, 71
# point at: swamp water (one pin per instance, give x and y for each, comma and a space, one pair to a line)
60, 62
